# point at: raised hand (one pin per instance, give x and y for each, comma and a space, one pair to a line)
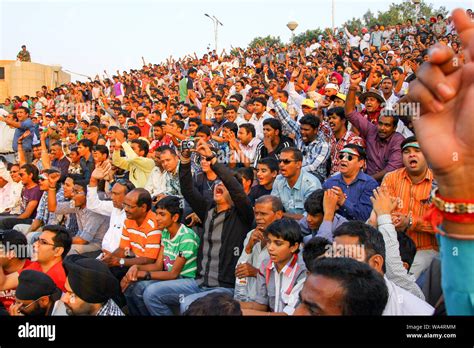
445, 90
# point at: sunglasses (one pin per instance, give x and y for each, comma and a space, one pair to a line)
347, 157
286, 161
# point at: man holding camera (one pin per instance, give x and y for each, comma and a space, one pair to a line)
225, 228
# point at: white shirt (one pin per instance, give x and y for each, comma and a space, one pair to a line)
6, 138
111, 240
258, 124
255, 258
250, 150
156, 183
10, 196
401, 302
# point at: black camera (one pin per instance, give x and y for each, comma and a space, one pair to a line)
188, 144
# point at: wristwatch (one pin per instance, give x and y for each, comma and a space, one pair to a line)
147, 276
211, 157
122, 262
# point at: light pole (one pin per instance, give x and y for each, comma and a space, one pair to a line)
417, 7
292, 26
216, 25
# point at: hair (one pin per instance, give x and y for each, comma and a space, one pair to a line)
408, 140
274, 123
102, 149
365, 291
215, 304
286, 229
13, 239
129, 186
159, 124
271, 163
313, 205
142, 145
313, 249
407, 248
166, 148
144, 197
250, 128
195, 120
260, 100
237, 96
135, 129
297, 154
25, 109
230, 107
310, 120
203, 129
86, 143
339, 111
31, 169
62, 237
368, 236
232, 126
276, 202
172, 204
246, 173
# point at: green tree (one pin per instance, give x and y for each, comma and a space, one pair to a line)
266, 41
398, 13
307, 36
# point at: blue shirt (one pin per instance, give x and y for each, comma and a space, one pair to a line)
28, 141
325, 230
357, 205
293, 198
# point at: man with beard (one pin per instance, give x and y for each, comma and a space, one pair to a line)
382, 140
90, 287
35, 295
412, 185
340, 136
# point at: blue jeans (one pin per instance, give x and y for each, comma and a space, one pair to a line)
160, 296
134, 296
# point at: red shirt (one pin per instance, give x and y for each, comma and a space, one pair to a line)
57, 273
145, 130
7, 297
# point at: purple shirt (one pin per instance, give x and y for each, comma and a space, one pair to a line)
32, 194
381, 153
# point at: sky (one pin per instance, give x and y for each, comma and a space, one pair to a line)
86, 37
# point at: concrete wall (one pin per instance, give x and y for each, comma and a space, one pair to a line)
26, 78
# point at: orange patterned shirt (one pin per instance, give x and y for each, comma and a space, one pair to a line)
414, 199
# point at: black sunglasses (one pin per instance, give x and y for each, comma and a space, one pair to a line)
287, 161
349, 157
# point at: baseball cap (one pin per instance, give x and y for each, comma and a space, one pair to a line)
309, 103
332, 86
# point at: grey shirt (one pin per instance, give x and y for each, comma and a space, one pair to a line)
92, 226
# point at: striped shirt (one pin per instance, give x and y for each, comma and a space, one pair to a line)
414, 199
185, 244
144, 240
315, 154
338, 145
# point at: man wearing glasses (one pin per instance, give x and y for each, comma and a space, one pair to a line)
352, 186
48, 252
293, 185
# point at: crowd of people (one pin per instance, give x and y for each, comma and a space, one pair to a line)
270, 181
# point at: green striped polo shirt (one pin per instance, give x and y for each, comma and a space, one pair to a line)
185, 243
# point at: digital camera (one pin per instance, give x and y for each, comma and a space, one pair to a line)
188, 144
